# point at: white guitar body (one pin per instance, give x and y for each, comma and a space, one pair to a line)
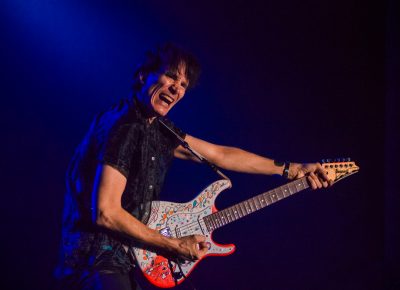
179, 220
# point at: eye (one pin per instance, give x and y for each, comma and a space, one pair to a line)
171, 75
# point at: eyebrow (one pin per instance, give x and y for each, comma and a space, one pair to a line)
174, 73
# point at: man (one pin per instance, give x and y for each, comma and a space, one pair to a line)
120, 166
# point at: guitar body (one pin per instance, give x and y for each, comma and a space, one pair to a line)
179, 220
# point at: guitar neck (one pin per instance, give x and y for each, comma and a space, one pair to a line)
244, 208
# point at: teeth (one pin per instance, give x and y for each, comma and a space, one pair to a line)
167, 98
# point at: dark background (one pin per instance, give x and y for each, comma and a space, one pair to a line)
292, 80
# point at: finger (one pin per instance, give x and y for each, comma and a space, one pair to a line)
325, 184
316, 179
323, 174
311, 182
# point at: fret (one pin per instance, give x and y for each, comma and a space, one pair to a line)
228, 215
232, 214
221, 218
288, 188
305, 184
299, 185
267, 198
264, 200
234, 211
248, 209
216, 220
242, 209
257, 199
205, 219
256, 205
273, 196
285, 191
237, 211
224, 217
209, 221
261, 200
252, 206
203, 226
279, 193
293, 188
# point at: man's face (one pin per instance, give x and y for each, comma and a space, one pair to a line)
163, 89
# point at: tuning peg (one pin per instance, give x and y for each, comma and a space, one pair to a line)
348, 159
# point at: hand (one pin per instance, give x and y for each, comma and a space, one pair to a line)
316, 175
191, 248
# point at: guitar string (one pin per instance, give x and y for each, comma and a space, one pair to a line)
222, 220
270, 194
190, 226
218, 222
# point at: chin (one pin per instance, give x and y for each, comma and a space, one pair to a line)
162, 112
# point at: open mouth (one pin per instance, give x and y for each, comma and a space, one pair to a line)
166, 98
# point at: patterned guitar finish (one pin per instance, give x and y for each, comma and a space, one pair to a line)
178, 220
201, 217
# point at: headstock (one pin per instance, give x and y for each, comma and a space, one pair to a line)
339, 168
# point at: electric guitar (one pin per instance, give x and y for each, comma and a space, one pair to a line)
200, 216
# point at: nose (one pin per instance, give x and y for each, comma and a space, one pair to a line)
175, 88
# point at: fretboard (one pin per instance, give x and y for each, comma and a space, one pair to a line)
244, 208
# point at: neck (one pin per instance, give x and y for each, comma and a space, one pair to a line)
147, 113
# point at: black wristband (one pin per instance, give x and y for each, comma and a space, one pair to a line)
286, 170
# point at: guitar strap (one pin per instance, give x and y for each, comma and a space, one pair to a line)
192, 151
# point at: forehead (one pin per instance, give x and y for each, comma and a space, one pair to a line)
179, 70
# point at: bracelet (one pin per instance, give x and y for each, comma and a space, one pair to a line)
286, 170
286, 164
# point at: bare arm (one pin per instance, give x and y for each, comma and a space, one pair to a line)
230, 158
110, 214
236, 159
